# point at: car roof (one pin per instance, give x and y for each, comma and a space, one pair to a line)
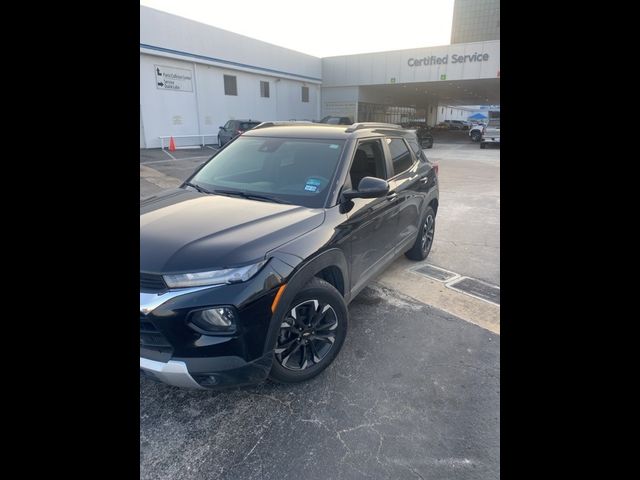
327, 131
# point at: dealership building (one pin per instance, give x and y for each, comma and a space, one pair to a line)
195, 77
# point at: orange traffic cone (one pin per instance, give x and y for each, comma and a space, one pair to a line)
172, 145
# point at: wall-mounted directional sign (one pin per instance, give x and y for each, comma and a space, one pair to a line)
172, 78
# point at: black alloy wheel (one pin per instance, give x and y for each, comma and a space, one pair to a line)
428, 231
475, 136
422, 246
306, 335
311, 333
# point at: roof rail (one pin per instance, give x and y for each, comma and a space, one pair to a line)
282, 124
358, 126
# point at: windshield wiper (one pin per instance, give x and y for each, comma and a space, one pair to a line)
250, 196
197, 187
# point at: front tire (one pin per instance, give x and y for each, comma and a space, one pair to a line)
422, 246
311, 334
475, 136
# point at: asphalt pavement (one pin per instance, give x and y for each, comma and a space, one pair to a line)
414, 394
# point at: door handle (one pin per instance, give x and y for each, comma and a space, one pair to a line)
424, 179
392, 196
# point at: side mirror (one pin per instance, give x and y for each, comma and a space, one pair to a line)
221, 128
369, 187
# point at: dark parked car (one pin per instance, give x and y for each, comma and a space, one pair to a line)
247, 269
233, 128
423, 132
337, 120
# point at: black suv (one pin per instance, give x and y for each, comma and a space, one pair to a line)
247, 269
233, 128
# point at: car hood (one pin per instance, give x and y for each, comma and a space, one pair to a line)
182, 231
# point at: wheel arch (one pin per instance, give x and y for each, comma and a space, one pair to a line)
330, 265
434, 204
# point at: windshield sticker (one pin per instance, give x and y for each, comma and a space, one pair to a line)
333, 145
312, 185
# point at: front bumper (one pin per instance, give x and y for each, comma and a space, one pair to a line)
173, 352
207, 373
172, 373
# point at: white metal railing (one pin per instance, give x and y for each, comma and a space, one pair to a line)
202, 137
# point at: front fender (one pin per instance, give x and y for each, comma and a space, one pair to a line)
300, 276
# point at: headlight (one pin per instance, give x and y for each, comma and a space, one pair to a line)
214, 277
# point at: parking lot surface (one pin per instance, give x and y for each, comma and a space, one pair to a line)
414, 392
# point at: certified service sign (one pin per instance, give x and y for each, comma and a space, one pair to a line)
171, 78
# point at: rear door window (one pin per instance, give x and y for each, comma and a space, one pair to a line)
400, 155
417, 150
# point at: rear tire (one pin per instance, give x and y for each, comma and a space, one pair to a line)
422, 246
311, 334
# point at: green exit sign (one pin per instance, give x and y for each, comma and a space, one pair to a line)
443, 77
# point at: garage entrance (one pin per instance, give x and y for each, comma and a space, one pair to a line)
407, 102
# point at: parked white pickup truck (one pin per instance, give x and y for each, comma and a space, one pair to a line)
475, 132
491, 133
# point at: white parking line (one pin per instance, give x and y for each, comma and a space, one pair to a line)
168, 154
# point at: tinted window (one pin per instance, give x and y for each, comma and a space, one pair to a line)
298, 171
417, 150
368, 161
248, 125
400, 155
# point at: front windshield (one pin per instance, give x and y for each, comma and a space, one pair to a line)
292, 170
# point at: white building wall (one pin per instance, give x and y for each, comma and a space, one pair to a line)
209, 53
165, 112
447, 112
393, 67
170, 32
340, 102
203, 111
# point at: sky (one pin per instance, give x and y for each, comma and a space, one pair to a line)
325, 28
